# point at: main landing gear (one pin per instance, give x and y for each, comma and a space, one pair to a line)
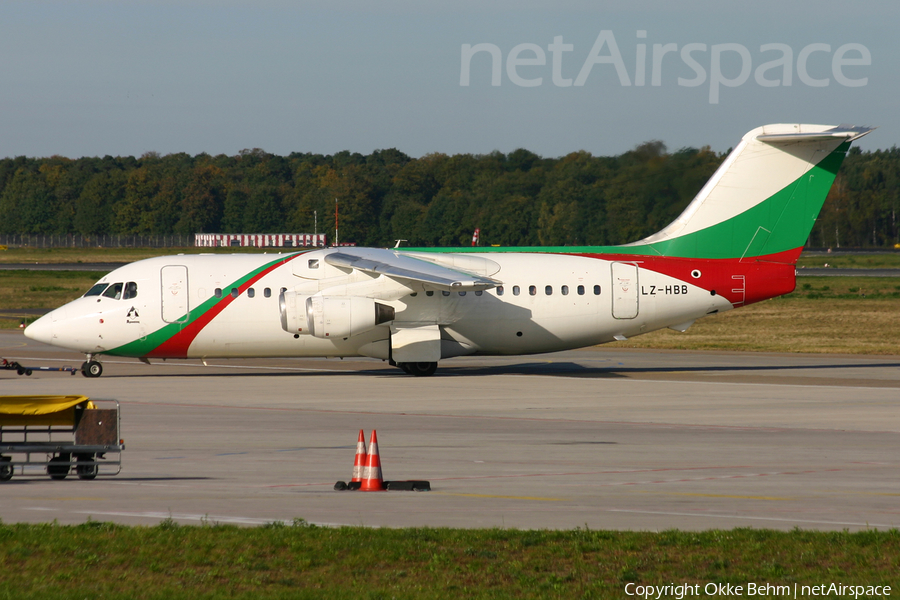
91, 368
419, 369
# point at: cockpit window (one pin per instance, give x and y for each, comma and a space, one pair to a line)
130, 290
97, 289
114, 291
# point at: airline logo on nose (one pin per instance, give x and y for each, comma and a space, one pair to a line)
133, 316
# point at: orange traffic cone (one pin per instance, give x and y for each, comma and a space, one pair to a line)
372, 480
359, 463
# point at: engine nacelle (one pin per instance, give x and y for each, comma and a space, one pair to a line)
331, 316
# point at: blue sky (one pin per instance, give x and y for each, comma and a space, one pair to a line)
124, 78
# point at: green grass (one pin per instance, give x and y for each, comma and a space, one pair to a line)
103, 560
886, 260
123, 255
847, 288
40, 289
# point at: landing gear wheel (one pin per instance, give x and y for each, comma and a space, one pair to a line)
422, 369
56, 470
404, 367
91, 368
6, 469
86, 471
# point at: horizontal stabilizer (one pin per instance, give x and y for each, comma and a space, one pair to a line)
846, 132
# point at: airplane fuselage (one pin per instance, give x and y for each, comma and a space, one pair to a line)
199, 306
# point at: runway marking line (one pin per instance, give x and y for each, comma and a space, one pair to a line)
878, 384
60, 499
748, 517
187, 517
724, 496
503, 497
664, 425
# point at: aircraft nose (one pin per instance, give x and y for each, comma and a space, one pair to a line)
42, 329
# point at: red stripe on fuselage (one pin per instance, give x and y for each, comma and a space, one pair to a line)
177, 345
740, 281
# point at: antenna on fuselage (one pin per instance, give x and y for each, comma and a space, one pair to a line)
397, 245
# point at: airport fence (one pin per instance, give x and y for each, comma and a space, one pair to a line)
96, 241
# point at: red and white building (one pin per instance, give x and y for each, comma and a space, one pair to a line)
260, 240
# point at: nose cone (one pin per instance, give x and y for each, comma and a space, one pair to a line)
41, 330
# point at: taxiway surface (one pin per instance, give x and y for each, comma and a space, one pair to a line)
603, 437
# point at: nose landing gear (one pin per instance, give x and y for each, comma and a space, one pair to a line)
91, 368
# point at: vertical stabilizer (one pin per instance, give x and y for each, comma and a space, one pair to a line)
764, 199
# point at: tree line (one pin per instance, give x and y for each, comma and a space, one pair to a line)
518, 199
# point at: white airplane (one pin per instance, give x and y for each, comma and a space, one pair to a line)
736, 243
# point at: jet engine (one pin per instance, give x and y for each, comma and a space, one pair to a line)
331, 316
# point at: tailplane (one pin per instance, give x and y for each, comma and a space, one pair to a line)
763, 200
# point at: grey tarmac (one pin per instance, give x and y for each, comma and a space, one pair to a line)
605, 438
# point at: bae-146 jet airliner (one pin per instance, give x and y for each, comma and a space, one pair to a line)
736, 243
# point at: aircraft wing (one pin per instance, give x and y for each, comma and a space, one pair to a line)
397, 265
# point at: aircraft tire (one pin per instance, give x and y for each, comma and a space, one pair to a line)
404, 367
422, 369
92, 369
6, 470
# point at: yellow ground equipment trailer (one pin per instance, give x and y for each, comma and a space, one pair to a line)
56, 435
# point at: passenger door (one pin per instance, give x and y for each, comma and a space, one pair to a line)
625, 290
174, 288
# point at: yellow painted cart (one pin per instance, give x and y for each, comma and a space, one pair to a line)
59, 434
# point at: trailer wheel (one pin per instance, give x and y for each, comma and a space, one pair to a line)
86, 471
6, 469
56, 470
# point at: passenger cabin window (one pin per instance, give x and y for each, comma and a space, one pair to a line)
596, 290
429, 293
515, 290
462, 293
96, 290
499, 290
234, 292
532, 290
478, 293
267, 293
218, 292
581, 290
548, 290
130, 291
114, 291
564, 290
251, 292
445, 293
